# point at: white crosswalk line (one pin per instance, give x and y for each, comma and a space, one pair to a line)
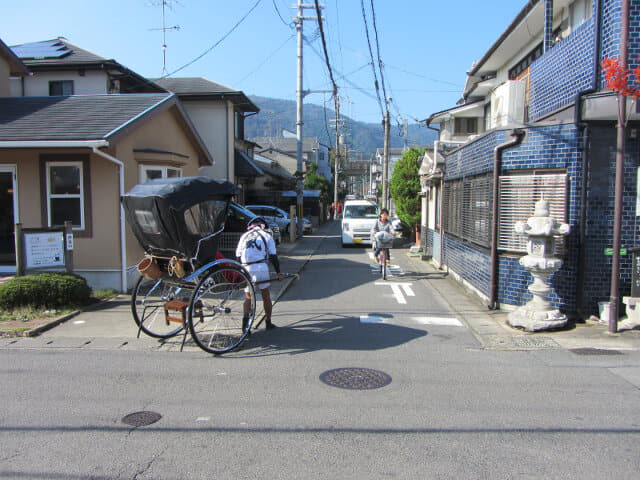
442, 321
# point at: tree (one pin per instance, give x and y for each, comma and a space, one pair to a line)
314, 181
405, 187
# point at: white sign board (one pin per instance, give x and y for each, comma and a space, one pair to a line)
44, 249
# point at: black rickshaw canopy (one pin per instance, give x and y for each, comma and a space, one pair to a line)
169, 216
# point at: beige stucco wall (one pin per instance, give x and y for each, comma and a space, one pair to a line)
4, 78
163, 133
211, 120
100, 252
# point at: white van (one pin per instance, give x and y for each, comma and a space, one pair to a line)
358, 218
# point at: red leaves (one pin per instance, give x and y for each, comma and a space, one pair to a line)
618, 77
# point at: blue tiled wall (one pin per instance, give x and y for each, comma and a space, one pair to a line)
545, 147
562, 72
599, 224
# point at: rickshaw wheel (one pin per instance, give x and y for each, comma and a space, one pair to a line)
148, 306
217, 308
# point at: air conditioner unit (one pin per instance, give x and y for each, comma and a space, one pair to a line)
507, 104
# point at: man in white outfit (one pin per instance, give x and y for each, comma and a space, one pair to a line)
255, 249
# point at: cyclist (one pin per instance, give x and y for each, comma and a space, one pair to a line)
255, 248
382, 228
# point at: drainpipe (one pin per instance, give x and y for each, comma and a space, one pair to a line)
619, 188
577, 120
518, 135
123, 253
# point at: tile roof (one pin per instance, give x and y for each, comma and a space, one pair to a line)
61, 45
201, 87
192, 85
244, 166
82, 117
286, 145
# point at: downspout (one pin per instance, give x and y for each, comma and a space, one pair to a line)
497, 166
123, 253
582, 234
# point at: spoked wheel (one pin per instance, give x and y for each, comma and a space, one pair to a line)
217, 308
148, 306
383, 263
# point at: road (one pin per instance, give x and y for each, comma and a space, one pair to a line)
451, 410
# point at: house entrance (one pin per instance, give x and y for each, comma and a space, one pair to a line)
8, 216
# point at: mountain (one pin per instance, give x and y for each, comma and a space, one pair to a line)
277, 114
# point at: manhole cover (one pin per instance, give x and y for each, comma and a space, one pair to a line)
594, 351
355, 378
141, 419
535, 342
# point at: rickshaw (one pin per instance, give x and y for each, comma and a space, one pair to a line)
184, 282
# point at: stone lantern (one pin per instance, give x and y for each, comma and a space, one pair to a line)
538, 313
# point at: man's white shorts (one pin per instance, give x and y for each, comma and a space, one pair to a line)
259, 272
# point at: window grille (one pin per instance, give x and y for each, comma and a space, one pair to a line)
467, 213
518, 194
476, 210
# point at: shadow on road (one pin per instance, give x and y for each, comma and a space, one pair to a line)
327, 332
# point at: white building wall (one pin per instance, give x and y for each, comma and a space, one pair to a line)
210, 120
37, 85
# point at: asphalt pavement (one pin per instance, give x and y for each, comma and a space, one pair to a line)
110, 324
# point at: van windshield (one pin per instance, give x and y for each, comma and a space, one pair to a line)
361, 211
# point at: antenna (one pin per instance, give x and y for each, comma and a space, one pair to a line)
164, 4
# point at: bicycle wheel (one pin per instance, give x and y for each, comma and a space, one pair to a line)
383, 263
147, 306
217, 309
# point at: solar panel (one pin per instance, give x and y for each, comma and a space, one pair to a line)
46, 49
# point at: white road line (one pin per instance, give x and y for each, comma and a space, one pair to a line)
443, 321
408, 291
395, 289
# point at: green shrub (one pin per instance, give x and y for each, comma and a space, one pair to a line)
50, 289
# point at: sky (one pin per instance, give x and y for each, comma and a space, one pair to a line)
425, 46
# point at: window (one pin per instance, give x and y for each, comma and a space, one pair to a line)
465, 126
523, 64
579, 11
151, 172
65, 193
468, 210
60, 87
518, 194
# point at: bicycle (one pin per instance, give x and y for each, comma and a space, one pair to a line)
383, 256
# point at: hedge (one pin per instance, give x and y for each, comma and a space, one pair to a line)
50, 289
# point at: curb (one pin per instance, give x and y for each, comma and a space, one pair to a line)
35, 331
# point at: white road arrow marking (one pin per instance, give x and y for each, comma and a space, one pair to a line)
397, 288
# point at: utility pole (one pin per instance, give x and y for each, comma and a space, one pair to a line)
385, 164
336, 157
300, 94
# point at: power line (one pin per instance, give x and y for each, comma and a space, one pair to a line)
373, 67
290, 24
380, 65
324, 47
265, 60
223, 38
423, 76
